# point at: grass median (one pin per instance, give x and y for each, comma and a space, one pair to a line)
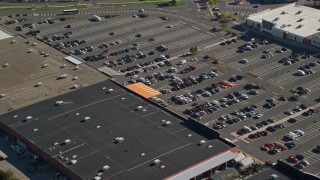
42, 8
160, 3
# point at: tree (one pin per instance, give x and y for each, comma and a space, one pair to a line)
173, 2
211, 2
194, 50
7, 175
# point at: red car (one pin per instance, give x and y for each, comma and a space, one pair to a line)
269, 145
293, 159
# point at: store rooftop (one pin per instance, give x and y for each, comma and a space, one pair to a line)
87, 126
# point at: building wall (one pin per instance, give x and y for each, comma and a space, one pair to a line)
277, 32
41, 153
316, 41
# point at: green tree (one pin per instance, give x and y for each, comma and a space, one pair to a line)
7, 175
173, 2
211, 2
194, 50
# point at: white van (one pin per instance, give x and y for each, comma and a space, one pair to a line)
182, 61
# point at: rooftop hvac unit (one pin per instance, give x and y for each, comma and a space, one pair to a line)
73, 161
202, 142
167, 123
76, 86
58, 103
64, 76
119, 139
156, 162
67, 141
106, 168
110, 90
38, 84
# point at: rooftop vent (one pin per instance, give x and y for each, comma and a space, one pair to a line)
35, 130
162, 167
28, 118
202, 142
74, 156
210, 146
97, 178
189, 135
55, 144
300, 25
73, 161
110, 90
97, 127
119, 139
67, 141
142, 154
156, 162
77, 114
106, 168
300, 20
75, 78
59, 103
5, 65
140, 108
87, 118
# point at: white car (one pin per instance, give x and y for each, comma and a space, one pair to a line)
243, 61
299, 132
300, 73
304, 162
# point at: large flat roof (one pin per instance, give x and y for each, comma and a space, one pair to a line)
290, 16
112, 115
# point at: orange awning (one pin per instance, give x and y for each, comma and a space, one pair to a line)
143, 90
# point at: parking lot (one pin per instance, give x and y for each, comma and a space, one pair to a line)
244, 87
